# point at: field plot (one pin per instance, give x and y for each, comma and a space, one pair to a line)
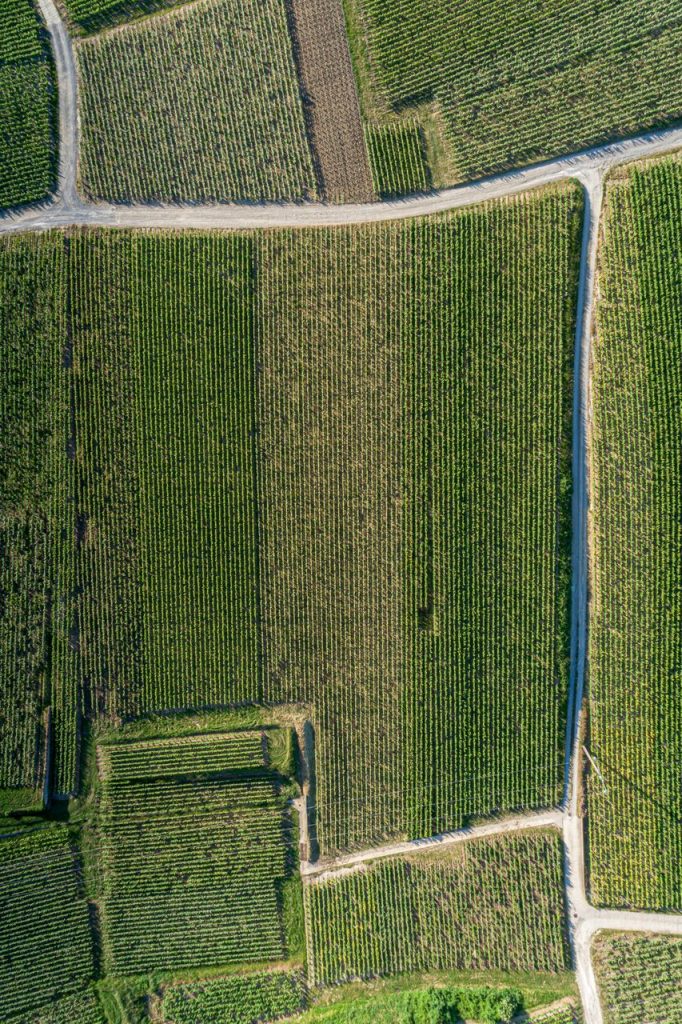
38, 665
195, 846
640, 978
200, 104
87, 16
164, 420
331, 99
238, 999
27, 97
518, 83
485, 904
46, 945
397, 158
415, 397
635, 833
82, 1008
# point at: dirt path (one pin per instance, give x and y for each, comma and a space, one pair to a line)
65, 65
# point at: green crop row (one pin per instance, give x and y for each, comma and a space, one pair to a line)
640, 978
635, 833
47, 950
199, 105
488, 904
27, 102
517, 83
199, 884
82, 1008
187, 755
327, 467
397, 158
238, 999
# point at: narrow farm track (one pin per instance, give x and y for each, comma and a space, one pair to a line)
68, 209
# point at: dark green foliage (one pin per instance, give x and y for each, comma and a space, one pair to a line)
82, 1008
27, 107
47, 951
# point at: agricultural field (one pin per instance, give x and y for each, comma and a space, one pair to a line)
293, 498
236, 999
640, 978
331, 100
380, 561
419, 912
635, 703
82, 1008
397, 158
46, 944
28, 159
195, 845
38, 666
200, 104
505, 85
88, 16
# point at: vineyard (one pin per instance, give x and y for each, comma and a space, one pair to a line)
238, 999
488, 904
293, 497
87, 16
200, 104
640, 978
398, 159
38, 667
46, 945
195, 845
380, 561
518, 83
27, 100
635, 833
82, 1008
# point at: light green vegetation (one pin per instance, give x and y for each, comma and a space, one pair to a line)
201, 104
46, 946
635, 700
423, 1006
640, 978
415, 402
82, 1008
503, 85
303, 463
485, 904
27, 148
397, 158
195, 842
568, 1013
239, 999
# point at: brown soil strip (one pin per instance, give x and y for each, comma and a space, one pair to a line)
331, 100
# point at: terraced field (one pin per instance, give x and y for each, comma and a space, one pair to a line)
635, 833
515, 84
199, 105
27, 99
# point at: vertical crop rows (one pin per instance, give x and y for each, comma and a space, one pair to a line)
416, 914
636, 647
